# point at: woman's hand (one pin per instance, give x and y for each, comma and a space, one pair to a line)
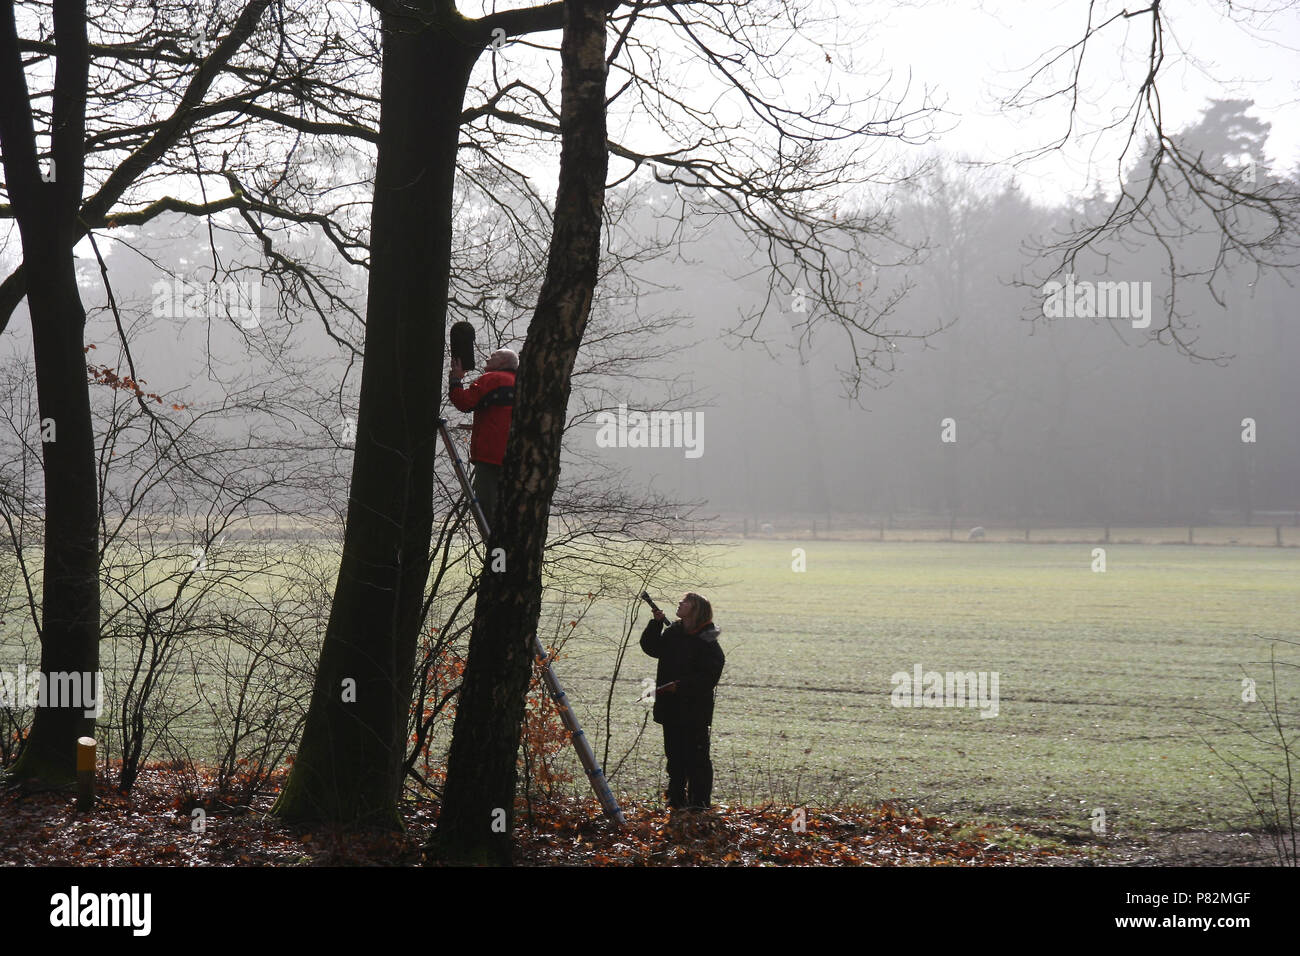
457, 371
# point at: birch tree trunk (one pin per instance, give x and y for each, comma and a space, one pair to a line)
478, 807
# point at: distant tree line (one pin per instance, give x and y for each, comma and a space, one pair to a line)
1008, 412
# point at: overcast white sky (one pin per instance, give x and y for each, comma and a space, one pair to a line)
972, 53
969, 55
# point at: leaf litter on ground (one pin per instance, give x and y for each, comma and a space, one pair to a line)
156, 824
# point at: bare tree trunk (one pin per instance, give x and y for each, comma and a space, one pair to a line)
478, 808
348, 767
45, 203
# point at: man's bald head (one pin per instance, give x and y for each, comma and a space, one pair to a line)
503, 360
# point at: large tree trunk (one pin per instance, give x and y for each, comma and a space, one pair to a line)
478, 807
348, 766
70, 586
45, 204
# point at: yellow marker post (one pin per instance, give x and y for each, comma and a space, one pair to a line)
85, 773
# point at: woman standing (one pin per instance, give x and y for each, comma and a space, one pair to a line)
690, 663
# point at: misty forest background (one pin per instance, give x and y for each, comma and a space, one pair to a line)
1069, 421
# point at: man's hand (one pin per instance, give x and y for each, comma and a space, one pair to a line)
457, 372
659, 615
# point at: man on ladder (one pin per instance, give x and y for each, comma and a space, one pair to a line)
491, 398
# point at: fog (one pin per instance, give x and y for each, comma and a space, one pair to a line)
993, 397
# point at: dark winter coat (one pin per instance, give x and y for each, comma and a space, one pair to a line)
695, 660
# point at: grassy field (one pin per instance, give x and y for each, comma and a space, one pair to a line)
1105, 679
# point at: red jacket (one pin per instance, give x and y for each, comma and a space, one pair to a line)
491, 398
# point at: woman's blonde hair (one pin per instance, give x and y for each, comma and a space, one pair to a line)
701, 610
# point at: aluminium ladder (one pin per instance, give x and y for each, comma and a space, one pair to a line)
595, 775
